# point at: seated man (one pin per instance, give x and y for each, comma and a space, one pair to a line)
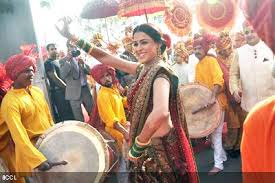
110, 103
24, 117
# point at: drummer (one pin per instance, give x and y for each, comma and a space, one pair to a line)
209, 73
110, 103
25, 116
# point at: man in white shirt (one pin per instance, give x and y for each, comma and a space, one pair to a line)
250, 75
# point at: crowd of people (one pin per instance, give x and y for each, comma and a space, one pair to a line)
133, 97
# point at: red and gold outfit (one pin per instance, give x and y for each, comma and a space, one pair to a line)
171, 153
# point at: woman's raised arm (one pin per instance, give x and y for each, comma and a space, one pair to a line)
99, 54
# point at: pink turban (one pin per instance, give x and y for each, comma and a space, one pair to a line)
18, 63
99, 70
204, 41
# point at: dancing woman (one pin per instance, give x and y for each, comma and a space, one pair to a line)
160, 148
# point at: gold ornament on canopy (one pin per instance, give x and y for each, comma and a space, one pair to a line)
178, 18
217, 15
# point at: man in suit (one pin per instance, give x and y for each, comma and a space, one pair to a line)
61, 107
74, 72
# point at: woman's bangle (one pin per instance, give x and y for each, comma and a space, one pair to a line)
134, 155
87, 47
140, 144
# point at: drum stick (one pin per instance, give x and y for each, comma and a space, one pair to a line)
202, 107
58, 163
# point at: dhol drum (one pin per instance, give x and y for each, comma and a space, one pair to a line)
89, 155
201, 119
3, 171
3, 166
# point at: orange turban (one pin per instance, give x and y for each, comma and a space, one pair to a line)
189, 42
181, 50
18, 63
127, 40
113, 47
99, 70
224, 41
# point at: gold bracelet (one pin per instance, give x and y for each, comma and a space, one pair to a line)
142, 144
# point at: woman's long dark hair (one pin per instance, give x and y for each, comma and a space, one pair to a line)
153, 33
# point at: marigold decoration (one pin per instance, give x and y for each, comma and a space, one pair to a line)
178, 18
215, 17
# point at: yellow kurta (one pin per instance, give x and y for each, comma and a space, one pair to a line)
25, 117
209, 73
110, 109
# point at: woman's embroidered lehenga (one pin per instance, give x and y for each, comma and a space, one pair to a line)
169, 158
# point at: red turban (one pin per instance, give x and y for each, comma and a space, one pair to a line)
18, 63
168, 40
204, 41
99, 70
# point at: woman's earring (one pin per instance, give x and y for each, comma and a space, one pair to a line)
159, 53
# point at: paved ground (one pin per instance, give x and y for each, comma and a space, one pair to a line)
231, 173
204, 159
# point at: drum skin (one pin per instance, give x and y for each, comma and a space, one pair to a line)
204, 122
81, 146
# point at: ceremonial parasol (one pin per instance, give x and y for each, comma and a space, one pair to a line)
129, 8
259, 15
96, 9
100, 9
178, 18
217, 15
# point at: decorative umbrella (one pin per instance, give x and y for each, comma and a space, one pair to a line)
217, 15
259, 15
129, 8
96, 9
99, 9
178, 18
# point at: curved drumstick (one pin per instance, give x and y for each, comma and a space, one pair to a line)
202, 107
52, 164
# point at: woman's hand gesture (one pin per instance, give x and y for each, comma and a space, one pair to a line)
65, 30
